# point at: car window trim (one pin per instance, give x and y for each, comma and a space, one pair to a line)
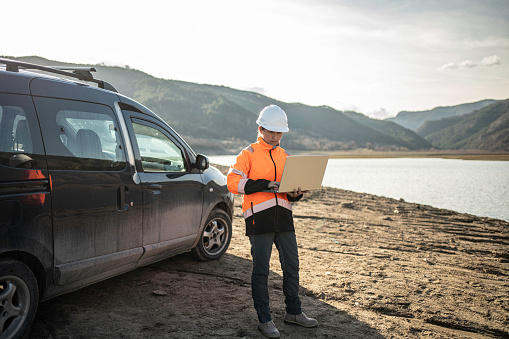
127, 142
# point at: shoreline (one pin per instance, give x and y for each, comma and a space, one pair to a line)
444, 154
372, 154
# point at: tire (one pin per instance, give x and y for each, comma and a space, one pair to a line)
215, 237
19, 297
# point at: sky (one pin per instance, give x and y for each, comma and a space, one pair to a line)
375, 57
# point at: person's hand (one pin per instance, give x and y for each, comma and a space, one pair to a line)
296, 193
273, 185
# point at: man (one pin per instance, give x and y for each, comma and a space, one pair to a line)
268, 216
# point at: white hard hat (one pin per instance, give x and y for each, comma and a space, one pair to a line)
273, 118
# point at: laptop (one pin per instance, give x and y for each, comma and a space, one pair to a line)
304, 171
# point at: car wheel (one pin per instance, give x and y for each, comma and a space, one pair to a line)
215, 237
19, 297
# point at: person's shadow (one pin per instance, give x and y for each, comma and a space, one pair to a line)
182, 298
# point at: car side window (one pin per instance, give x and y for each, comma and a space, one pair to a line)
20, 139
80, 136
158, 152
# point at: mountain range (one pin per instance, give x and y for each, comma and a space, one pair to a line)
221, 120
414, 120
484, 129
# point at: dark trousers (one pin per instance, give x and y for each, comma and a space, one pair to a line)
261, 249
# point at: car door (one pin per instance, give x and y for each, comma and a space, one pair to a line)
172, 192
96, 205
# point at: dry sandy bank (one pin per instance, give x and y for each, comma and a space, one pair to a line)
371, 267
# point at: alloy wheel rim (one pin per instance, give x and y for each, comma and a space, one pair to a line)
215, 236
14, 304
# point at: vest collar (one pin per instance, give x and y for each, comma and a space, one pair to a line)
265, 145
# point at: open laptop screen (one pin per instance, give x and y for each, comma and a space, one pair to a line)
304, 171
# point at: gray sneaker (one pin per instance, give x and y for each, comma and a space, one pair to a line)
269, 329
300, 319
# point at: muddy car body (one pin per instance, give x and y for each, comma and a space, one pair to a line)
92, 185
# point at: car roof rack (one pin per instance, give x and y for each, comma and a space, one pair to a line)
80, 73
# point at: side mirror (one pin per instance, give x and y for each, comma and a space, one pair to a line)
202, 162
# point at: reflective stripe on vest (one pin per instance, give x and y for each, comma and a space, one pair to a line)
266, 205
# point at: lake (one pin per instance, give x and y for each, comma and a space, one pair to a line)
470, 186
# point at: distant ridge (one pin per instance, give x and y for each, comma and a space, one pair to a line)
413, 120
221, 120
485, 129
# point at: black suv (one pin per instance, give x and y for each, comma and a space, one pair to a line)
92, 184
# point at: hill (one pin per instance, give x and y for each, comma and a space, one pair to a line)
433, 126
221, 120
485, 129
413, 120
390, 128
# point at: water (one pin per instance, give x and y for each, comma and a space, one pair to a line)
477, 187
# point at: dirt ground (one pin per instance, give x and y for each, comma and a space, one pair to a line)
371, 267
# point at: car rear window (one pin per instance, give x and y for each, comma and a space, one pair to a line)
80, 136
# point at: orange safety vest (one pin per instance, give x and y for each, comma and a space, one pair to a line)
263, 211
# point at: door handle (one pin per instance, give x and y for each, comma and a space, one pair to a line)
123, 198
155, 188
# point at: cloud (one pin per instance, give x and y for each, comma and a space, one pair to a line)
467, 64
450, 65
491, 60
